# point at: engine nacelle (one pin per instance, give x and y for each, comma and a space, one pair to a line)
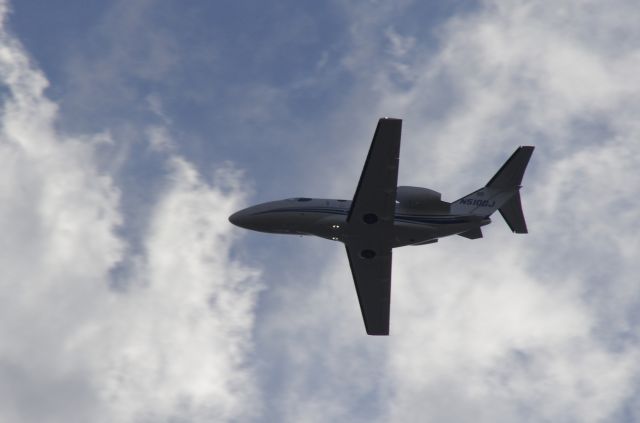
421, 200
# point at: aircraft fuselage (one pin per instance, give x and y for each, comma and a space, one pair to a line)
327, 218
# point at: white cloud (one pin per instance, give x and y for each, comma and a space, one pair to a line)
173, 344
178, 345
508, 328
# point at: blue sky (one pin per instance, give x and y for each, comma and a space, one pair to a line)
130, 130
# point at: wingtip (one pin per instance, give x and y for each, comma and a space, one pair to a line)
378, 333
381, 330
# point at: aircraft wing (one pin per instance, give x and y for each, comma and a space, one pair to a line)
372, 277
376, 192
370, 223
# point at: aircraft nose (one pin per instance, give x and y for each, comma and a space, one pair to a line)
243, 218
237, 218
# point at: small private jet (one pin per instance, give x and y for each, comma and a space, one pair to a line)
383, 216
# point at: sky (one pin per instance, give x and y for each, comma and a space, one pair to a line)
130, 131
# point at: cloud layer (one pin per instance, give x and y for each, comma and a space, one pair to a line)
127, 296
536, 328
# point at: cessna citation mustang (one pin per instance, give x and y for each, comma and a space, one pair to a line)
383, 216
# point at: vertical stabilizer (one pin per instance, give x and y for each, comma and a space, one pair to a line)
502, 193
510, 174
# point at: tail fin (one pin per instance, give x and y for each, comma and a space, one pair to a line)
500, 193
510, 174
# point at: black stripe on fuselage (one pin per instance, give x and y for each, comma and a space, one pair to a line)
439, 219
327, 210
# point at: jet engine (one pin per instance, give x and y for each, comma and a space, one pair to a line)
421, 200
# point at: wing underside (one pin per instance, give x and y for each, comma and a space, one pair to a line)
372, 278
376, 192
370, 223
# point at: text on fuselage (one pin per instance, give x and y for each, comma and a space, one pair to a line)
477, 202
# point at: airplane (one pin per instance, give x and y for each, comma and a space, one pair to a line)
383, 216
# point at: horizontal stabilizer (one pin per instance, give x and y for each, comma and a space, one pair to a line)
472, 233
511, 211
